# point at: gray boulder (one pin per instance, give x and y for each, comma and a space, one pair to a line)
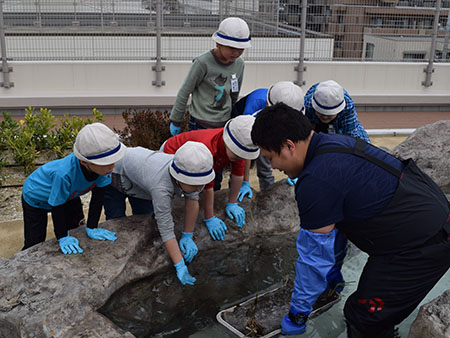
44, 293
429, 147
433, 319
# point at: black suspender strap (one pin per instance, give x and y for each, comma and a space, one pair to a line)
359, 150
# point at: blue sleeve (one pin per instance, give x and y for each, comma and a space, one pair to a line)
309, 110
316, 258
348, 123
256, 101
253, 106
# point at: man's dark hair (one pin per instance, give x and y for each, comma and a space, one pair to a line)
278, 123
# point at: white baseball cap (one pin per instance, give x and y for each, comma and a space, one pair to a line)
288, 93
97, 144
328, 99
237, 137
233, 32
192, 164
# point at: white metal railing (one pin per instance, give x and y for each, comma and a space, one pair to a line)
52, 30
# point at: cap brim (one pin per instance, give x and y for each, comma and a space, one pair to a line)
323, 111
246, 155
230, 43
203, 180
113, 158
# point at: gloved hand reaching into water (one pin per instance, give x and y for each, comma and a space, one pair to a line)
293, 324
187, 246
245, 190
234, 211
183, 273
216, 228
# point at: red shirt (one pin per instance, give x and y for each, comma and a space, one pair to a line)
213, 139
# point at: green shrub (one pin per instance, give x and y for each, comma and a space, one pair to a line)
2, 164
64, 136
7, 124
41, 124
39, 131
22, 145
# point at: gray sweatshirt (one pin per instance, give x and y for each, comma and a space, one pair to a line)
145, 174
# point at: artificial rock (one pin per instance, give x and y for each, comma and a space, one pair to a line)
44, 293
429, 147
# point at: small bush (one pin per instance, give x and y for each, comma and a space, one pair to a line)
41, 124
38, 131
64, 136
23, 146
146, 128
2, 164
8, 124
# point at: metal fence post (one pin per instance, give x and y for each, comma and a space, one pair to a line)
300, 69
5, 69
113, 8
75, 21
38, 21
102, 23
429, 69
159, 67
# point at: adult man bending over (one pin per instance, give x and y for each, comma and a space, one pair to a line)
386, 206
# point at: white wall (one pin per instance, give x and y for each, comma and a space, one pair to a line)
394, 48
109, 84
94, 47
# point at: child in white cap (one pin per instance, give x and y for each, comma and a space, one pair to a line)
56, 187
214, 79
157, 177
284, 91
229, 144
331, 110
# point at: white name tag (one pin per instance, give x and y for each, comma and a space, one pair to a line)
234, 84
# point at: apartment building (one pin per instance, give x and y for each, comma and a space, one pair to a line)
349, 21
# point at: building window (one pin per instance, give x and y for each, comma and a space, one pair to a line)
376, 22
414, 55
428, 24
369, 50
338, 41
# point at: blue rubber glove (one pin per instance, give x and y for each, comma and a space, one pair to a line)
216, 228
101, 234
291, 181
183, 273
234, 211
187, 246
69, 245
245, 190
174, 130
292, 326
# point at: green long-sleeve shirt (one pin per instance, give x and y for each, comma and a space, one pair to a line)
209, 81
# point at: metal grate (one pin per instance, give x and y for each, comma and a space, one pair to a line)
367, 30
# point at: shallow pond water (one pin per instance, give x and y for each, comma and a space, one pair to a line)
161, 307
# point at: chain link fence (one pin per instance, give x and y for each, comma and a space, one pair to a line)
392, 30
